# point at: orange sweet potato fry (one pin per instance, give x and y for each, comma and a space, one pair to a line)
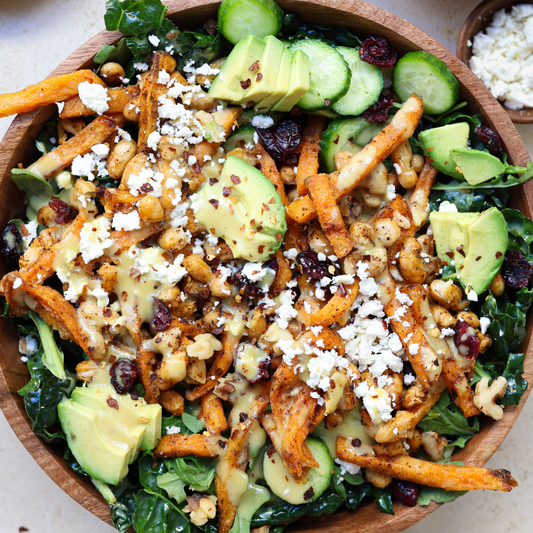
418, 202
213, 413
270, 170
126, 239
336, 307
283, 275
172, 401
309, 148
120, 97
95, 133
329, 214
444, 476
181, 445
46, 92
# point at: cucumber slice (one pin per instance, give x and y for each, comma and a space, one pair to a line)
239, 18
365, 86
329, 76
244, 135
283, 484
424, 75
345, 135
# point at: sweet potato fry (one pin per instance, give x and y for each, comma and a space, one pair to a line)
398, 130
118, 201
232, 465
418, 202
444, 476
329, 214
181, 445
283, 276
172, 401
336, 307
148, 98
46, 92
125, 239
95, 133
309, 148
213, 413
146, 359
270, 170
120, 97
220, 366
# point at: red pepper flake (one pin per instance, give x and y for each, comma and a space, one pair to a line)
112, 403
230, 209
259, 228
107, 312
498, 255
246, 84
213, 181
64, 213
146, 188
272, 200
266, 207
226, 192
255, 66
327, 102
259, 77
278, 237
214, 203
430, 148
261, 249
342, 291
450, 254
235, 179
478, 258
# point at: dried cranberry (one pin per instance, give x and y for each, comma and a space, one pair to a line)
378, 51
264, 371
516, 270
405, 492
162, 317
314, 268
283, 142
123, 375
379, 112
11, 245
490, 139
64, 213
466, 340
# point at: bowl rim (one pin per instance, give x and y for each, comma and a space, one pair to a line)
486, 10
25, 128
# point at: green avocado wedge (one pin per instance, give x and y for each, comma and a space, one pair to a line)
477, 166
244, 209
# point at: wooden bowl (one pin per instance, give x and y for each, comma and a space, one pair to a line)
476, 22
364, 19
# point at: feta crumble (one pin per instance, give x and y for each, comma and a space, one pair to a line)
94, 96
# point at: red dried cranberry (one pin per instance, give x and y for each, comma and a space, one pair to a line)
11, 245
405, 492
516, 270
282, 143
64, 213
379, 112
490, 139
379, 52
264, 371
466, 340
123, 375
162, 317
315, 268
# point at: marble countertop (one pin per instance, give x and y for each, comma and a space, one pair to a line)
35, 36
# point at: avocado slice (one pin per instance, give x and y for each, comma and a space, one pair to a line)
282, 83
489, 240
244, 209
102, 459
264, 79
298, 83
477, 166
476, 242
231, 83
438, 142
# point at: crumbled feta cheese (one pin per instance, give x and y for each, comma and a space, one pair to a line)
94, 239
409, 379
31, 229
60, 106
173, 430
28, 345
153, 140
472, 295
414, 348
141, 67
484, 324
286, 312
94, 96
262, 121
127, 221
154, 40
347, 467
447, 207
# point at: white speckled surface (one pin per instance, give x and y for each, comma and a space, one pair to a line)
35, 36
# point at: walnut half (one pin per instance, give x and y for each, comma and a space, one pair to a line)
485, 397
201, 507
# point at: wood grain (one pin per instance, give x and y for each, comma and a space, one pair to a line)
477, 21
364, 20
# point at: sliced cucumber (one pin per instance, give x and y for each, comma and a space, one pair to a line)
239, 18
345, 135
365, 86
283, 484
329, 74
424, 75
238, 139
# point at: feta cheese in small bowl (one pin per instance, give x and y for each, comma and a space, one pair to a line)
496, 42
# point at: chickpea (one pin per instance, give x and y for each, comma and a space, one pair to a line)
446, 293
376, 182
387, 232
150, 209
497, 287
470, 318
123, 152
485, 342
341, 158
46, 216
133, 168
370, 200
377, 262
132, 110
173, 239
363, 236
442, 316
417, 162
112, 73
318, 242
402, 158
287, 174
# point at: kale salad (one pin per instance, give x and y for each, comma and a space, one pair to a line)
268, 270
